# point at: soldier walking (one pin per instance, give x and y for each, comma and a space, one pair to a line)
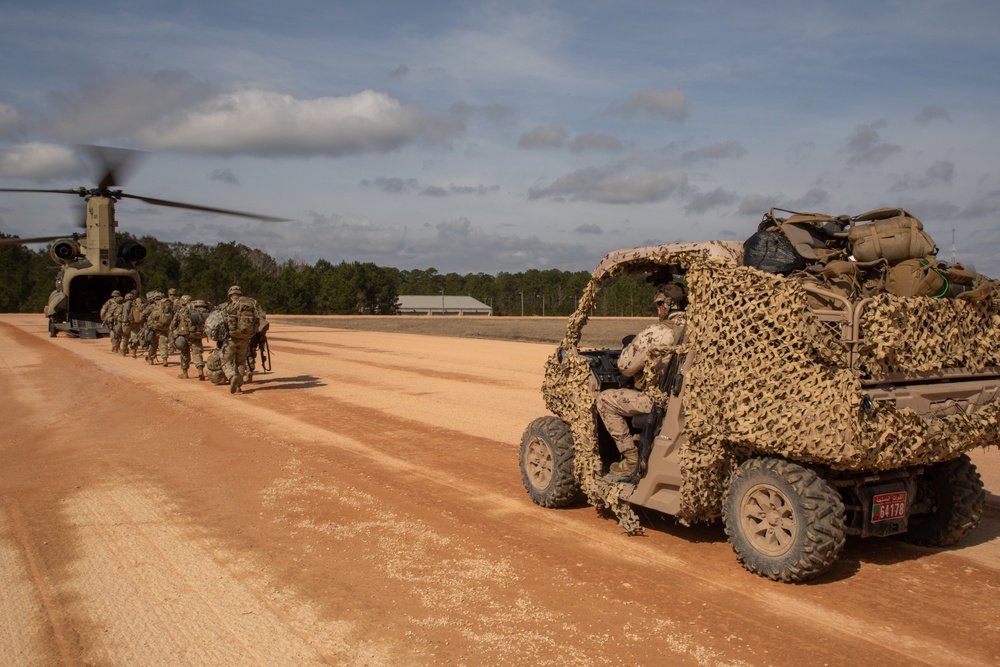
159, 313
242, 322
187, 331
112, 319
131, 319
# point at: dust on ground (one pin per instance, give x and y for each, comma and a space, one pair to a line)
600, 332
361, 504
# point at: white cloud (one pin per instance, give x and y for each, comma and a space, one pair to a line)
595, 141
543, 136
391, 185
930, 113
224, 175
611, 186
717, 198
40, 162
10, 122
865, 146
264, 123
986, 206
941, 172
716, 151
670, 104
117, 108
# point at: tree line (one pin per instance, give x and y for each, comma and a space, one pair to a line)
206, 272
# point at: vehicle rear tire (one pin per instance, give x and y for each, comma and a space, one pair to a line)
546, 460
784, 521
952, 493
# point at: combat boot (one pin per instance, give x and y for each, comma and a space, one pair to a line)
249, 378
201, 374
150, 361
623, 469
234, 385
183, 374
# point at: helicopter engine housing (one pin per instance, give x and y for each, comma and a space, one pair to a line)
64, 251
132, 252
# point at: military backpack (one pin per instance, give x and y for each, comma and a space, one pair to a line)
160, 315
136, 314
215, 325
242, 318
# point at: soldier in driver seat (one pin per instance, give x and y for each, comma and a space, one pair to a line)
616, 405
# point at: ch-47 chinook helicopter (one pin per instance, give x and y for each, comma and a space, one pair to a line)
92, 265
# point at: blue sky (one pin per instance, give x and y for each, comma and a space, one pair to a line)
509, 135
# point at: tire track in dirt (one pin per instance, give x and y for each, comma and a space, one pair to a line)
401, 511
155, 593
29, 629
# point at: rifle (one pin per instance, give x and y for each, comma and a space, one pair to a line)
652, 426
259, 342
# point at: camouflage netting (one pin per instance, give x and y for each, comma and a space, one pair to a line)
770, 378
920, 334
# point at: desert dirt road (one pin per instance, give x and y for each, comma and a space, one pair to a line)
361, 505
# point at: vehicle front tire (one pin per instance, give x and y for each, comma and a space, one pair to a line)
784, 521
949, 503
52, 329
546, 460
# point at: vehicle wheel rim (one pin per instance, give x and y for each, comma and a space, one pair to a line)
768, 520
538, 462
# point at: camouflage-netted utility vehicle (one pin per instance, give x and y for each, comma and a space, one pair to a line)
796, 411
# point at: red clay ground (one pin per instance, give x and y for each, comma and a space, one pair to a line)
361, 505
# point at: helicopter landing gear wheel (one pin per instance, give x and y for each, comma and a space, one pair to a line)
52, 329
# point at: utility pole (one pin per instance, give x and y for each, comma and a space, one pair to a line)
522, 303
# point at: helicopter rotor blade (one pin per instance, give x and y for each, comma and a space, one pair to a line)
59, 192
113, 164
208, 209
39, 239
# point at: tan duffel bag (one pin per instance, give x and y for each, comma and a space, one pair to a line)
918, 277
891, 234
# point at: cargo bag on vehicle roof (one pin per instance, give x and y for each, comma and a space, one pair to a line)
918, 277
891, 234
783, 245
769, 250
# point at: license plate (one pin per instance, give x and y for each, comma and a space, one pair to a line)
888, 506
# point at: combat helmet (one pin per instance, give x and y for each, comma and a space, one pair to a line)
115, 293
235, 289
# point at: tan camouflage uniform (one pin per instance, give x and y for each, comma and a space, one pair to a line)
175, 303
160, 335
130, 329
114, 323
236, 350
213, 367
194, 334
614, 405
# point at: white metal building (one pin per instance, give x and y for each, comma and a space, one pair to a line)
441, 305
